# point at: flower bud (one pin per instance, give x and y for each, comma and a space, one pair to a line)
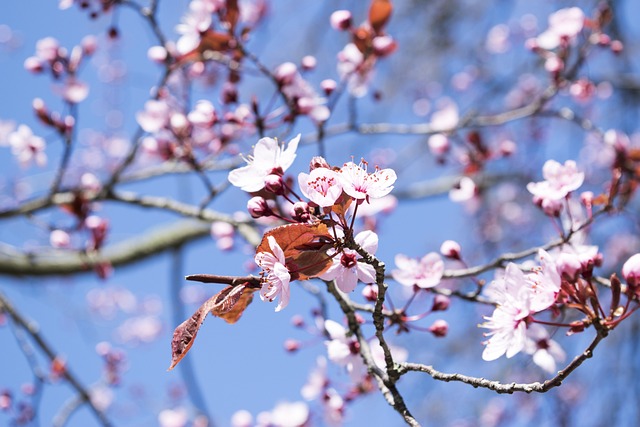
300, 212
440, 303
60, 239
33, 64
285, 73
341, 20
258, 207
438, 144
631, 270
297, 321
450, 249
273, 184
291, 345
318, 162
370, 292
439, 328
328, 86
309, 62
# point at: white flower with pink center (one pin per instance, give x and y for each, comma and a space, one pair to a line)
322, 186
156, 115
360, 185
269, 157
194, 23
276, 281
424, 273
347, 268
560, 180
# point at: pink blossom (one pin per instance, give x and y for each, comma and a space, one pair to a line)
544, 283
204, 114
6, 128
560, 180
47, 49
565, 24
424, 273
140, 329
450, 249
360, 185
276, 282
268, 157
297, 89
438, 144
317, 380
322, 186
27, 147
347, 269
446, 118
242, 418
157, 54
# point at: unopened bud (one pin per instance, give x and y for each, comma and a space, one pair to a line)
309, 62
450, 249
285, 73
301, 212
33, 64
438, 144
617, 46
273, 184
318, 162
291, 345
439, 328
297, 321
440, 303
341, 20
631, 270
328, 86
370, 292
258, 207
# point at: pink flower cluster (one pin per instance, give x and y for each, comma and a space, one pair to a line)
560, 181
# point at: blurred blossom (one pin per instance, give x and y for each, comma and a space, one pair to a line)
424, 273
140, 329
564, 25
445, 117
107, 301
27, 147
560, 180
287, 414
173, 417
73, 90
195, 22
242, 418
317, 380
6, 128
101, 397
498, 39
465, 190
59, 239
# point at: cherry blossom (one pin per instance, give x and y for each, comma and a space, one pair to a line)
353, 69
361, 185
465, 190
544, 350
564, 25
518, 296
346, 268
276, 282
289, 414
560, 180
343, 350
195, 22
27, 147
322, 186
424, 273
268, 157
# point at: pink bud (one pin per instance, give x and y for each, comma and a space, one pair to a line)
328, 86
285, 73
300, 212
617, 46
89, 44
341, 20
258, 207
60, 239
631, 270
450, 249
309, 62
157, 54
440, 303
370, 292
297, 321
438, 144
439, 328
47, 49
291, 345
553, 64
33, 64
384, 45
507, 147
5, 400
273, 183
551, 207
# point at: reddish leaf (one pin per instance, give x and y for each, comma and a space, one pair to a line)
229, 304
379, 14
634, 154
304, 247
